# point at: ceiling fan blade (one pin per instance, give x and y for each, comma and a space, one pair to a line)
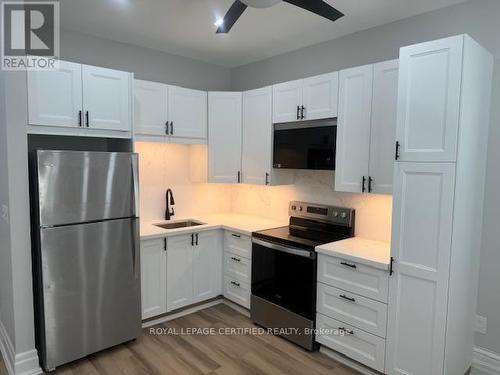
231, 16
318, 7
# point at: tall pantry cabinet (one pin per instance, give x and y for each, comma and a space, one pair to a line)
442, 129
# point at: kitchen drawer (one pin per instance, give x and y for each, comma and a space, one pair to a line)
357, 344
350, 308
238, 243
353, 277
237, 291
238, 267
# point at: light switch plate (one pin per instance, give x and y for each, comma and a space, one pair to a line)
481, 324
5, 212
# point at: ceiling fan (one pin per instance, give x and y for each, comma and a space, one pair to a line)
318, 7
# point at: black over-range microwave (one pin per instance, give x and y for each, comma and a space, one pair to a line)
305, 145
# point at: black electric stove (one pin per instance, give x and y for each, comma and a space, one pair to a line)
284, 268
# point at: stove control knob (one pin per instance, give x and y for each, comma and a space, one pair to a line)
300, 208
294, 208
335, 214
343, 215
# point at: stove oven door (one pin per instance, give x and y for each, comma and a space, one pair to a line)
285, 276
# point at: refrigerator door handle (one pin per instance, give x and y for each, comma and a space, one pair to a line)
135, 248
135, 176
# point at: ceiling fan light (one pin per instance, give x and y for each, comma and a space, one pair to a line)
219, 22
260, 3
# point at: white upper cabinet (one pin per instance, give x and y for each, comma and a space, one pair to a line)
306, 99
383, 126
429, 100
150, 108
353, 129
55, 97
207, 265
187, 112
179, 271
287, 101
320, 96
106, 98
153, 277
421, 246
224, 137
257, 136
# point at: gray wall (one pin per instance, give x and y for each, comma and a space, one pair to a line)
478, 18
146, 63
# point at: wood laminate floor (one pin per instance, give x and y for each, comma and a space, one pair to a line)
3, 370
206, 354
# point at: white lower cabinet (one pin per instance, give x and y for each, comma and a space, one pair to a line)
180, 256
153, 278
237, 267
355, 343
207, 266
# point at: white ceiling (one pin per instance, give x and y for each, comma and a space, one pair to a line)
186, 27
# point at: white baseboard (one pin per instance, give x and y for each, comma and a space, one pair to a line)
25, 363
485, 362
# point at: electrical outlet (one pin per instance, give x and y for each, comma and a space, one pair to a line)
5, 212
481, 324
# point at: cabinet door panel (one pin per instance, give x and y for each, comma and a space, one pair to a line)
179, 272
153, 278
55, 97
429, 100
106, 97
257, 136
320, 96
353, 129
207, 270
421, 246
150, 108
383, 128
224, 137
286, 98
188, 112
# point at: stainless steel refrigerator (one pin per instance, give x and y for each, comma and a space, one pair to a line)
85, 252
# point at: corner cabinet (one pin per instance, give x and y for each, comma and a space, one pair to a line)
366, 129
169, 113
306, 99
444, 106
224, 137
80, 100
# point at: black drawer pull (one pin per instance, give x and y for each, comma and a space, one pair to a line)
342, 329
348, 264
236, 259
236, 235
347, 298
235, 283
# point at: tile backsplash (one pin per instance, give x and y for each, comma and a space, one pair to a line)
168, 165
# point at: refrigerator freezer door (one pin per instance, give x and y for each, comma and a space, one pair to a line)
76, 187
90, 287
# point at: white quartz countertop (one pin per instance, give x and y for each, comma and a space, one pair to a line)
371, 253
244, 224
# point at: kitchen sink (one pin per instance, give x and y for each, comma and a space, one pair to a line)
179, 224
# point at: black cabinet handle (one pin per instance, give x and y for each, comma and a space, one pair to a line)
347, 298
348, 264
80, 118
391, 269
87, 118
298, 112
370, 181
239, 177
171, 127
342, 329
267, 178
235, 283
363, 181
398, 145
236, 259
196, 239
166, 128
236, 235
165, 244
302, 109
192, 239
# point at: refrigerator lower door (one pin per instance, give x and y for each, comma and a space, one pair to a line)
90, 288
81, 186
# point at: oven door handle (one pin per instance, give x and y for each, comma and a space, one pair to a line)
285, 249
